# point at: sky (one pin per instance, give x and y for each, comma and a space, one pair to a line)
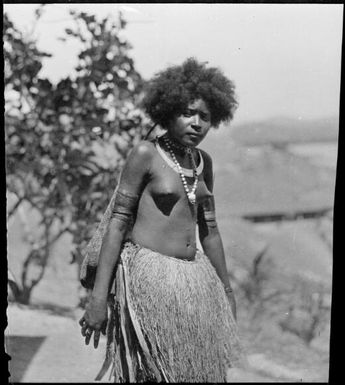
285, 59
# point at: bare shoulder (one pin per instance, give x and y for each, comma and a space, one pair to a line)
139, 158
144, 149
141, 153
207, 158
208, 168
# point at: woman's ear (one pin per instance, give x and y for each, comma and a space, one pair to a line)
160, 130
168, 125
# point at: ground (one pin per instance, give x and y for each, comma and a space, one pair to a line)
46, 346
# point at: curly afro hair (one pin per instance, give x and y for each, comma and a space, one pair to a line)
171, 90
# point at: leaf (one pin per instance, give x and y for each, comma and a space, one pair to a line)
53, 156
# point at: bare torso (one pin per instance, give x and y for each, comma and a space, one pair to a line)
165, 221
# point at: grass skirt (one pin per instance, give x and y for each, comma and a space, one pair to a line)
170, 321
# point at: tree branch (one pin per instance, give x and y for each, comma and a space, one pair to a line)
15, 207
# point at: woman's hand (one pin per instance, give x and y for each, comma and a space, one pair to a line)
94, 320
232, 302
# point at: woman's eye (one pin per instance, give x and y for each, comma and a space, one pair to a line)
187, 114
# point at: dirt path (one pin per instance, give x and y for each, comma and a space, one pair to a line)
46, 347
49, 348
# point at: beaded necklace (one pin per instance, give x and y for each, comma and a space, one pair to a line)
190, 193
175, 145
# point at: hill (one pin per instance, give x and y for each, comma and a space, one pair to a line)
259, 182
255, 179
283, 130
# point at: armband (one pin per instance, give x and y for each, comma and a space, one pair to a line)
125, 205
209, 211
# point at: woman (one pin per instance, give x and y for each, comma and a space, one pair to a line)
172, 308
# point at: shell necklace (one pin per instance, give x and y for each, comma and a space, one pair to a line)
190, 193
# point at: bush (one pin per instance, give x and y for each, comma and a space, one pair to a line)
66, 143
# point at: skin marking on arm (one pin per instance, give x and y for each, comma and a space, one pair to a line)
125, 205
209, 212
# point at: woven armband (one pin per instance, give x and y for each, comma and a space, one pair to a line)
209, 212
210, 218
125, 205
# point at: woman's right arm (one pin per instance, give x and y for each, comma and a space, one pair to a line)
131, 183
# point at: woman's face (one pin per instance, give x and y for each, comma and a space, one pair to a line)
191, 127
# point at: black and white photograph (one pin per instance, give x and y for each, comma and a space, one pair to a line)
171, 171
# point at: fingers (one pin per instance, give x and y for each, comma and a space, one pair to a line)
81, 321
88, 335
87, 331
104, 327
84, 328
96, 336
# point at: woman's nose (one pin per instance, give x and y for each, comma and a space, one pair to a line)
196, 121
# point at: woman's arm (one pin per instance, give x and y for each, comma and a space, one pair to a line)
131, 183
210, 237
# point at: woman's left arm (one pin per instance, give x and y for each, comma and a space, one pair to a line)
209, 235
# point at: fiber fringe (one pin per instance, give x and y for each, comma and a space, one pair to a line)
170, 321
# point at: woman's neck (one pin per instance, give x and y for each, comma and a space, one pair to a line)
175, 144
179, 150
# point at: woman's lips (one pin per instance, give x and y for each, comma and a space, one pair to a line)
193, 136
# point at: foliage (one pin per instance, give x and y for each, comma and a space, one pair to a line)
66, 143
297, 305
308, 311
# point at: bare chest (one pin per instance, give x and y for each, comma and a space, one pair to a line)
166, 187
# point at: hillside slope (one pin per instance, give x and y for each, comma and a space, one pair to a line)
286, 130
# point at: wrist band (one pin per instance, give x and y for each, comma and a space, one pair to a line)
228, 289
